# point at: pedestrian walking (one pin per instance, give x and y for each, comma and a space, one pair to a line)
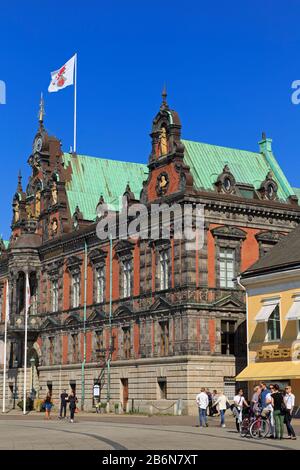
48, 406
221, 403
202, 402
214, 399
63, 404
289, 400
279, 411
239, 403
72, 399
210, 402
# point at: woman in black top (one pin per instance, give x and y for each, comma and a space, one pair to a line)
279, 411
72, 403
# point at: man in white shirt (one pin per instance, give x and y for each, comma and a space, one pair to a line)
202, 402
289, 400
221, 402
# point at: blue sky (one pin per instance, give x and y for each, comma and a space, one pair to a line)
228, 68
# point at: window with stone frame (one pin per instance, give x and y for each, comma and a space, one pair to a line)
51, 341
74, 267
164, 338
227, 337
54, 295
127, 272
124, 251
75, 290
99, 344
266, 240
164, 269
227, 267
126, 342
97, 259
100, 284
228, 242
74, 347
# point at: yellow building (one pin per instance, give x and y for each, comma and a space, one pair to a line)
273, 317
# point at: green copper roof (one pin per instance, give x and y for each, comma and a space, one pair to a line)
92, 176
6, 243
297, 192
207, 162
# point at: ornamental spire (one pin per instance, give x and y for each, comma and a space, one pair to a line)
41, 110
19, 187
164, 97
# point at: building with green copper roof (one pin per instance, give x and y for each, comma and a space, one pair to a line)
92, 176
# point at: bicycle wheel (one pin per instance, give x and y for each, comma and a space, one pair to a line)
244, 427
259, 429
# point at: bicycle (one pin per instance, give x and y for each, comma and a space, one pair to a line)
260, 427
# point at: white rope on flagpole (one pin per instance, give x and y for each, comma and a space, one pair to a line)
5, 348
25, 343
75, 104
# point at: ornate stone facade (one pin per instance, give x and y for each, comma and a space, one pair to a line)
178, 317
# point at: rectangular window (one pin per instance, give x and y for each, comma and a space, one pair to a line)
100, 352
227, 337
126, 279
162, 388
273, 325
164, 270
74, 347
164, 338
126, 343
75, 290
227, 267
51, 350
54, 296
100, 276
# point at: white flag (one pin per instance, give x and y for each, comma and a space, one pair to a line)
63, 77
27, 304
7, 302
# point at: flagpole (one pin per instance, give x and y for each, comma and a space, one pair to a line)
5, 347
25, 344
75, 104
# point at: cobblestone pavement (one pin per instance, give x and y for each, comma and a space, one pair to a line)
109, 433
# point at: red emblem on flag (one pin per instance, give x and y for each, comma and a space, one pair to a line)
60, 79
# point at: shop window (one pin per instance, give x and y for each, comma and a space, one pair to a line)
227, 337
162, 388
273, 325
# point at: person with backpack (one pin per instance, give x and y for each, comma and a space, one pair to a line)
279, 411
